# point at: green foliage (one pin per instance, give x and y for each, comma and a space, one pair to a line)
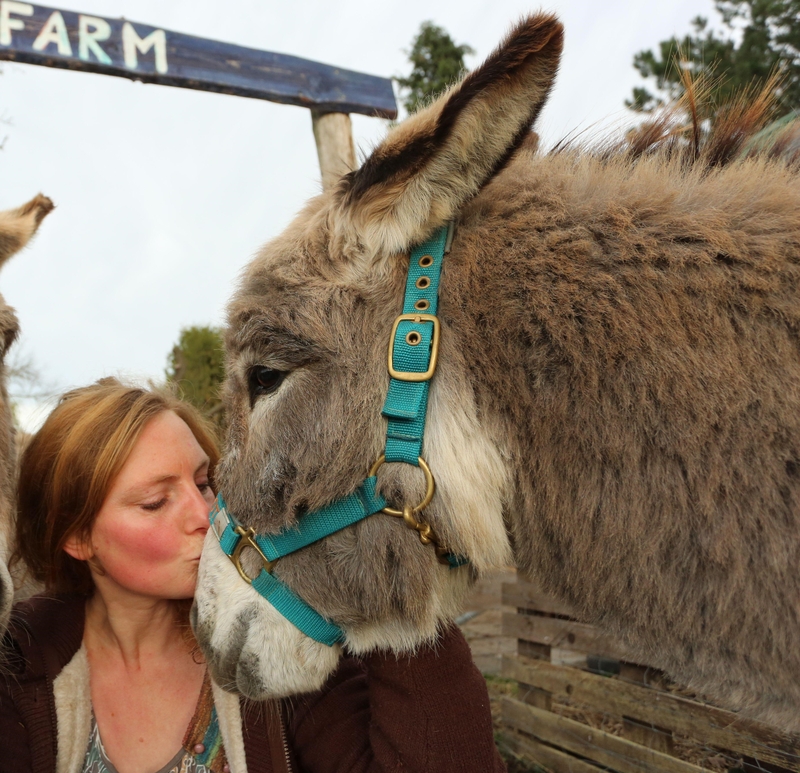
759, 37
437, 62
197, 367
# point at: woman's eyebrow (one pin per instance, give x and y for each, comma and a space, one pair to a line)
142, 488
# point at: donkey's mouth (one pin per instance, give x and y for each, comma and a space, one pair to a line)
251, 649
265, 657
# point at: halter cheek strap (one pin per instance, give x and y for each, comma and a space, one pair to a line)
413, 355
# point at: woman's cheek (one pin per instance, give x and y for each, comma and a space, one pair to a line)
138, 549
156, 544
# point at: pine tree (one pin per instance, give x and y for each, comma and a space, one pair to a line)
759, 37
436, 61
197, 367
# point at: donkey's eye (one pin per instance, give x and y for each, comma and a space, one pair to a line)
263, 381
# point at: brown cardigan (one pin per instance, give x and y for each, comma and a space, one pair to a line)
379, 714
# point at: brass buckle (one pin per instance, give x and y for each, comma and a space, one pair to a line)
429, 481
248, 540
402, 375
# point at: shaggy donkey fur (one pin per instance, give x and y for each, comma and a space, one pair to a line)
617, 402
17, 226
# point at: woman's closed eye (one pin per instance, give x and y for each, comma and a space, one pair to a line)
153, 506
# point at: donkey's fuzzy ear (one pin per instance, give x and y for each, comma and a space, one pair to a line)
436, 160
17, 226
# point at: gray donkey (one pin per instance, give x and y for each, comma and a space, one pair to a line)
17, 227
616, 406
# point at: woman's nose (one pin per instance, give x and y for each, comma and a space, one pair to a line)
198, 507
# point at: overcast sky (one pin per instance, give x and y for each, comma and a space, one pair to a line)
163, 194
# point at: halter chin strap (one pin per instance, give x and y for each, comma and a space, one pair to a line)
413, 354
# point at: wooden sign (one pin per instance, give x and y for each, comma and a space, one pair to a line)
35, 34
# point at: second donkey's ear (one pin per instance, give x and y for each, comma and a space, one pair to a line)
435, 161
17, 226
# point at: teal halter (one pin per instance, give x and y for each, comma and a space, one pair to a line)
413, 352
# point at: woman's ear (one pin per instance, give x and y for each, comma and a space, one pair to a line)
79, 547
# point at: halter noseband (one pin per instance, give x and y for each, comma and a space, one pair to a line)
413, 354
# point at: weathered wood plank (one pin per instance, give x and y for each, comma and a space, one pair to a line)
713, 726
525, 595
546, 756
648, 735
333, 134
41, 35
618, 753
534, 696
531, 649
569, 634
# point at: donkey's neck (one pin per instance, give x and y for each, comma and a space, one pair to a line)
627, 346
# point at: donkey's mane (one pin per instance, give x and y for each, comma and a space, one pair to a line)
693, 132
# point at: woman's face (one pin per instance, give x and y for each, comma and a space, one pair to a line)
149, 532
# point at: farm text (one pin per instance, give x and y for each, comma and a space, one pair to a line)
95, 39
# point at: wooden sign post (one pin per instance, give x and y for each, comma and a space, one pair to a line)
35, 34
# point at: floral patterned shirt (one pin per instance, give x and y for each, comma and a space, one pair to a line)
201, 752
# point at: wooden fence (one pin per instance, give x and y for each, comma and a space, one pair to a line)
583, 705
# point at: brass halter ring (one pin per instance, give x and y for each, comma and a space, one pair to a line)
430, 483
427, 535
248, 541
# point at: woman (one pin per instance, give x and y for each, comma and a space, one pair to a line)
103, 673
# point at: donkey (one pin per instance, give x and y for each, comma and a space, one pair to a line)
17, 227
616, 405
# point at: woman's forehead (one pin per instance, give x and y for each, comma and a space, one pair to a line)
165, 448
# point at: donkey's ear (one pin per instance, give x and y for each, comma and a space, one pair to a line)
436, 160
17, 226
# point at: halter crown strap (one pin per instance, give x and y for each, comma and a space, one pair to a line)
412, 357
